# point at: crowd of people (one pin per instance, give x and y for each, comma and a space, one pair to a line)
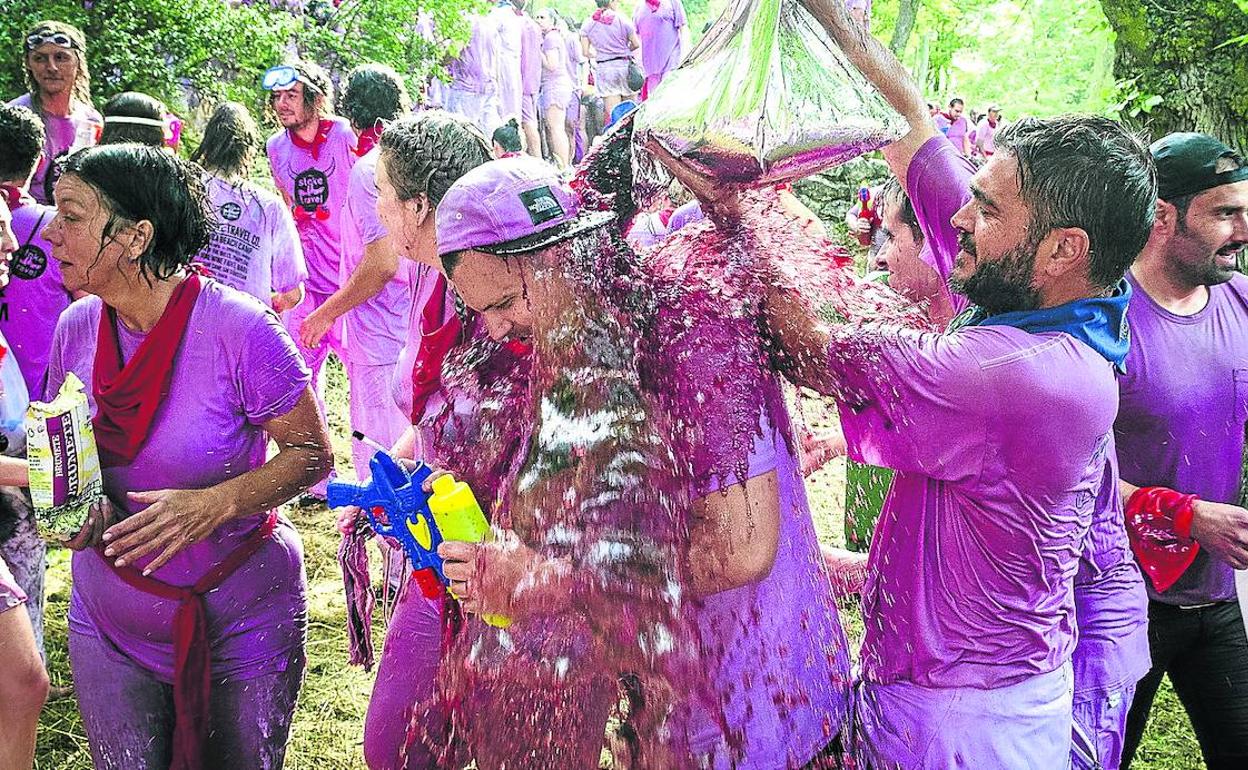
1061, 396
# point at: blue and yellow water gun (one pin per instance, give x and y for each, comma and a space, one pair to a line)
397, 506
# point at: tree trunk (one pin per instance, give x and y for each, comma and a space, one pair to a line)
1171, 48
907, 12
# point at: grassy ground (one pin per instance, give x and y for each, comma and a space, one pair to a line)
327, 728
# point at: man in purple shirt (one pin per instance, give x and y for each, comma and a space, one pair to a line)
954, 125
1184, 410
1000, 433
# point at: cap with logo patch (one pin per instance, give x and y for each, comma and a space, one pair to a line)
511, 206
1189, 163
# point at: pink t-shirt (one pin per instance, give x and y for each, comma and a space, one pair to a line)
376, 329
35, 296
659, 30
610, 40
62, 135
316, 189
235, 370
954, 130
575, 57
555, 78
255, 247
531, 75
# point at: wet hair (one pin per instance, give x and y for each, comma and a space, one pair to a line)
21, 143
1091, 173
603, 3
132, 104
319, 103
892, 194
427, 153
956, 101
373, 93
82, 76
507, 136
231, 139
137, 183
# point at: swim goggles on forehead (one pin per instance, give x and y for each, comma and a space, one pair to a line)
36, 39
284, 76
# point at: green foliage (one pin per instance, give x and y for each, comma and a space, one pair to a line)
1034, 57
188, 51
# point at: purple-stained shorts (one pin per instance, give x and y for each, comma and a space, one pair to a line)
1100, 724
1026, 726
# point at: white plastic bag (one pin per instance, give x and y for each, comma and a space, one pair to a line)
765, 98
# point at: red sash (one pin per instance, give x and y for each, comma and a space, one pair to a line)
192, 653
439, 331
128, 396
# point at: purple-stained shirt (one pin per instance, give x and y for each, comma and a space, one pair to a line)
938, 184
531, 48
255, 247
316, 189
376, 328
476, 66
509, 69
999, 439
35, 296
62, 135
1110, 603
659, 30
985, 135
1184, 411
574, 59
235, 370
780, 667
685, 215
555, 78
954, 130
609, 41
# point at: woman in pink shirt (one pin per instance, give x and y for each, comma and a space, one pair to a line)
608, 40
187, 617
557, 87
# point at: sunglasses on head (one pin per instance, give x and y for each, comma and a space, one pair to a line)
282, 77
61, 39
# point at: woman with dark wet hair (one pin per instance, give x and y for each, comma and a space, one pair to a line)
188, 616
132, 116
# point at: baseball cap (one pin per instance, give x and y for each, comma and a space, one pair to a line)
1189, 163
511, 206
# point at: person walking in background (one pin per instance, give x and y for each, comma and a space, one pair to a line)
986, 132
608, 39
954, 125
59, 83
660, 25
255, 247
556, 90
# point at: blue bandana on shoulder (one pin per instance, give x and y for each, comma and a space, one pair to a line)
1098, 322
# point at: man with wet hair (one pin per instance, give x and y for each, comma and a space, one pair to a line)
311, 159
1180, 432
375, 300
1000, 433
59, 83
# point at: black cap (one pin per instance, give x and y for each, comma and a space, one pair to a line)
1189, 163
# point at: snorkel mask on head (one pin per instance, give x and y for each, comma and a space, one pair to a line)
283, 77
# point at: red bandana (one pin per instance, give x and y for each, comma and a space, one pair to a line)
314, 146
367, 141
128, 395
604, 16
439, 332
13, 196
